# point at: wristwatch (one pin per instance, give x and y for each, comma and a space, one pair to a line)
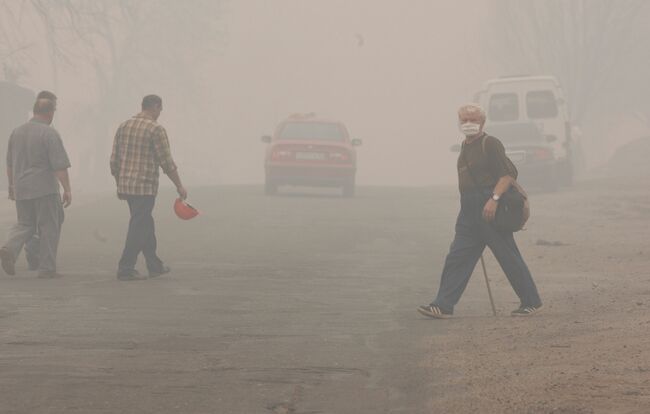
496, 197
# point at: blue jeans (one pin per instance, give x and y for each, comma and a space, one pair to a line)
473, 233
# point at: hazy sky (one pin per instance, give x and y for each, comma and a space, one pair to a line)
393, 71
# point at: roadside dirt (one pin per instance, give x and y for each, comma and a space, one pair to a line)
588, 352
306, 304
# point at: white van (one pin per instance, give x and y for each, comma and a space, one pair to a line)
536, 99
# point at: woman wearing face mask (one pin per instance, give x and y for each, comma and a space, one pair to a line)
484, 174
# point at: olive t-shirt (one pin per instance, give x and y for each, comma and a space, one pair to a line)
488, 163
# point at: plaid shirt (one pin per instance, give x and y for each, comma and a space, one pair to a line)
140, 147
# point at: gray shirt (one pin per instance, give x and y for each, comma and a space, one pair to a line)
34, 153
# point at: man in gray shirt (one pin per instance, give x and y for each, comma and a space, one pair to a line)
36, 163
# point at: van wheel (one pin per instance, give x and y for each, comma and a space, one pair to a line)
270, 188
349, 189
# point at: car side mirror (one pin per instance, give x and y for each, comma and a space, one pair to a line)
267, 139
356, 142
455, 148
551, 138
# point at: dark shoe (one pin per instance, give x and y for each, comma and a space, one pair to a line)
7, 261
51, 274
129, 276
526, 310
433, 311
163, 270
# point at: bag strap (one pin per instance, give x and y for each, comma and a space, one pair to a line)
469, 169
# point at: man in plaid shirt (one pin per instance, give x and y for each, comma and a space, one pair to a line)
140, 148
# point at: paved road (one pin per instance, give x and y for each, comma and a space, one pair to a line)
291, 304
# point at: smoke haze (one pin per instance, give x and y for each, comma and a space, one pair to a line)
394, 72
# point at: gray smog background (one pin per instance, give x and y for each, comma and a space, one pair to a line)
394, 72
304, 300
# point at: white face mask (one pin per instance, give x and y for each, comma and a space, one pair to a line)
470, 128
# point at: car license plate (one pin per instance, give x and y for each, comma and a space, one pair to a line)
517, 157
310, 156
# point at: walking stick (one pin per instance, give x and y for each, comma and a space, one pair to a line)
487, 283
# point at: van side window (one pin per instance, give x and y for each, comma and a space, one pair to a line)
503, 107
541, 104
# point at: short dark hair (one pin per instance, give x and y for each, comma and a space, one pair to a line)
44, 106
46, 95
151, 101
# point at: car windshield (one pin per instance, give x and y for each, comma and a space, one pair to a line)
512, 134
503, 107
311, 131
541, 104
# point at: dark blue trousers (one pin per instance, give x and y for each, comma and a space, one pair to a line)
473, 233
141, 236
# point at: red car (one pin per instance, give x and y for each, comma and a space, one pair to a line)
308, 151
